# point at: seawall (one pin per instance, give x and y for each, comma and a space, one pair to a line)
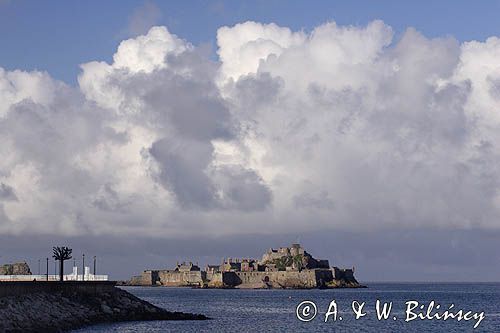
17, 288
63, 306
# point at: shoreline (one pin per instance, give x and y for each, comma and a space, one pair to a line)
337, 284
66, 309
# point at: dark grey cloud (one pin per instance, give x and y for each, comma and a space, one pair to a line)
314, 200
109, 200
494, 88
241, 189
385, 255
182, 167
7, 193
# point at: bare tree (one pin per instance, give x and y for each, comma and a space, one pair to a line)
61, 253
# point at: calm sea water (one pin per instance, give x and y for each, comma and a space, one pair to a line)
274, 310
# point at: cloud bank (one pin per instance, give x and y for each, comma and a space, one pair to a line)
343, 127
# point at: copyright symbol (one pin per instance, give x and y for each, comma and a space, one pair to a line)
306, 311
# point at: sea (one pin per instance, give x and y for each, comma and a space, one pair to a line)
234, 310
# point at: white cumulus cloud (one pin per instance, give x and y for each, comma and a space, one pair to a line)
340, 127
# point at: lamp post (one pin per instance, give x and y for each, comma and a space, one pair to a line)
94, 267
39, 267
83, 270
47, 271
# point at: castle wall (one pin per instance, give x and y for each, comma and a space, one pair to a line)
310, 278
210, 275
147, 278
294, 279
179, 279
215, 280
343, 274
231, 278
323, 276
285, 279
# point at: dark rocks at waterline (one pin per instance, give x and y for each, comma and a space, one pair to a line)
63, 311
343, 283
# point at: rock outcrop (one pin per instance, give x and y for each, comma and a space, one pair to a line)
19, 268
343, 283
64, 311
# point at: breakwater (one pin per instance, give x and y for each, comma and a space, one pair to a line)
62, 306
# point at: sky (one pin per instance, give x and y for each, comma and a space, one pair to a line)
153, 132
57, 36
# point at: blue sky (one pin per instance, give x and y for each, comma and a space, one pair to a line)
56, 36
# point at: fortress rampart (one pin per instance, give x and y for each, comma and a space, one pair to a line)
175, 278
283, 268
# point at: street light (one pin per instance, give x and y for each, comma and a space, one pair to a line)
94, 267
83, 270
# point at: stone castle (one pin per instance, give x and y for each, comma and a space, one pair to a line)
286, 267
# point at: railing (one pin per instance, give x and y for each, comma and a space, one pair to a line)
88, 277
70, 277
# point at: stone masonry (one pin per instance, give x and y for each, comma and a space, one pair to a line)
286, 267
